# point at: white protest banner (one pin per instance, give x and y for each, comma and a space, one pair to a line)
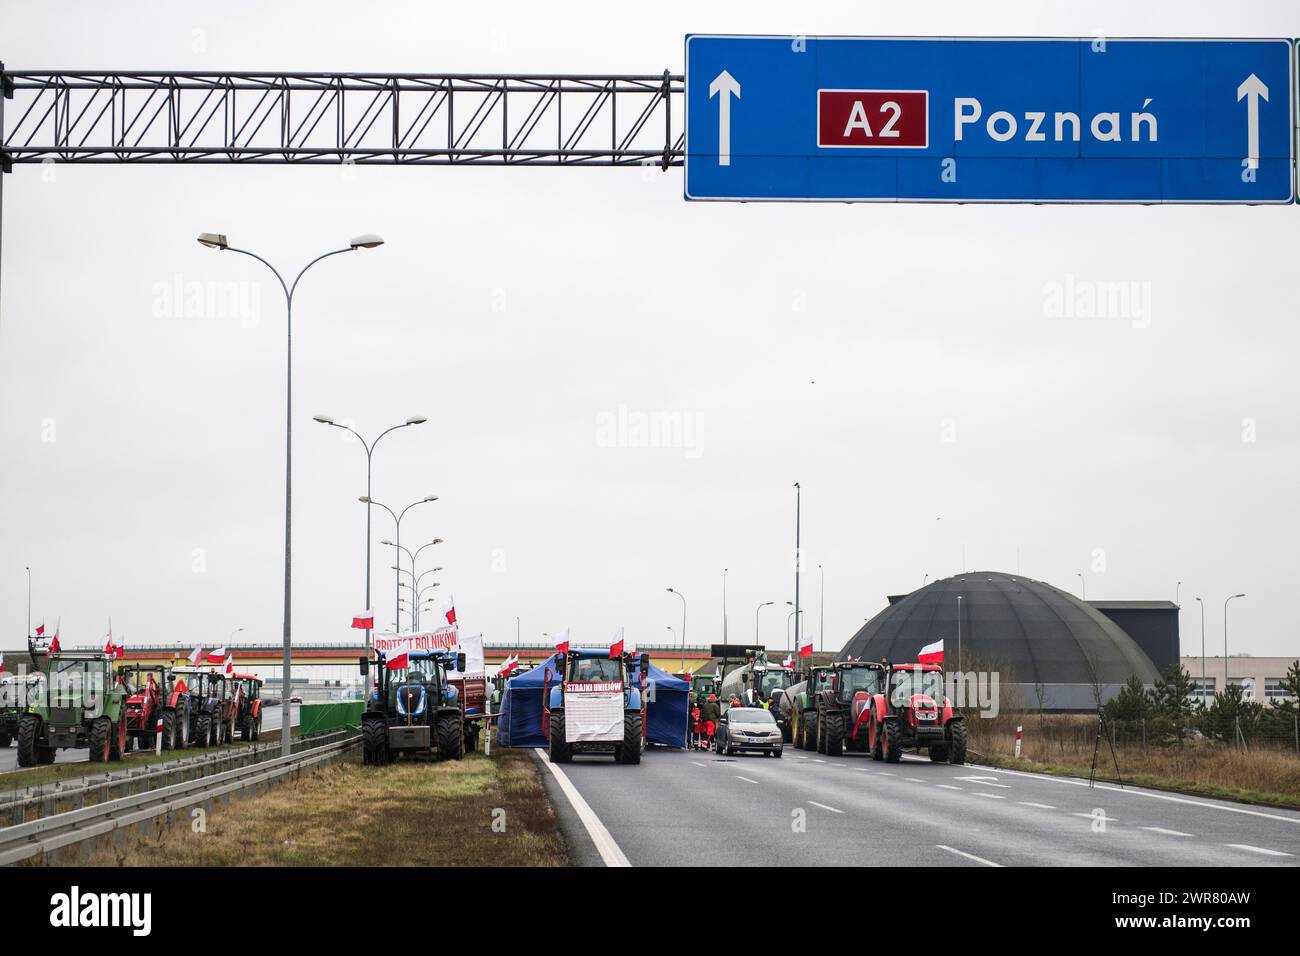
593, 711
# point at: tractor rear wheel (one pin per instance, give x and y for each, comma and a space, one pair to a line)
957, 752
451, 737
29, 729
169, 730
877, 746
809, 729
834, 721
374, 742
100, 731
821, 732
558, 749
631, 750
893, 741
202, 731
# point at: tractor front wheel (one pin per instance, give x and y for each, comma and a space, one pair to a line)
631, 738
101, 729
957, 751
374, 743
29, 729
202, 731
893, 741
451, 737
559, 750
877, 742
117, 740
834, 736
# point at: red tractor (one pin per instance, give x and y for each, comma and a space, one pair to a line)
153, 695
248, 706
912, 712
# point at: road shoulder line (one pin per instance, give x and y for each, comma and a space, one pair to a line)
605, 844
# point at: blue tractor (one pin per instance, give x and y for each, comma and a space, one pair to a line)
596, 706
413, 708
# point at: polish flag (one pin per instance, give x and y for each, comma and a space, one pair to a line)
616, 649
562, 642
119, 650
365, 620
451, 610
509, 664
109, 648
217, 656
195, 656
230, 665
40, 629
54, 644
931, 653
2, 662
789, 659
806, 650
400, 662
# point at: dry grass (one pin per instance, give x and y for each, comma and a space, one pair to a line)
408, 814
1063, 744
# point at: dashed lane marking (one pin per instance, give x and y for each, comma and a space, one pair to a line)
746, 779
1040, 806
948, 786
969, 856
989, 796
1256, 849
1166, 832
915, 780
824, 807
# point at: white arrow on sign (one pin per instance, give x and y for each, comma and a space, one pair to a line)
725, 84
1253, 88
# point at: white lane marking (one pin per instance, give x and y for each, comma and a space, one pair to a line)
605, 845
969, 856
1138, 792
1040, 806
1093, 816
1256, 849
698, 764
986, 781
815, 760
990, 796
914, 780
948, 786
746, 779
1166, 832
824, 807
886, 773
801, 756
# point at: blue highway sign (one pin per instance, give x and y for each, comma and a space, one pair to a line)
848, 119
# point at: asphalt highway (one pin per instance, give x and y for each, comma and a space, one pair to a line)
682, 808
271, 720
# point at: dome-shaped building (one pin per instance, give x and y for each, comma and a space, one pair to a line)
1028, 631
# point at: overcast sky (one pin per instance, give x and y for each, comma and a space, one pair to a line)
843, 347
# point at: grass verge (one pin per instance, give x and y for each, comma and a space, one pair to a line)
1062, 745
480, 811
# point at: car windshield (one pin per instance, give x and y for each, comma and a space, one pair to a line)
855, 679
903, 684
750, 715
594, 669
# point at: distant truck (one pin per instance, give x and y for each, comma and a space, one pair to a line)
755, 683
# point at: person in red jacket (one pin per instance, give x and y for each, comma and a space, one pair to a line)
697, 728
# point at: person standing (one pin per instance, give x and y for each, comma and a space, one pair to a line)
709, 718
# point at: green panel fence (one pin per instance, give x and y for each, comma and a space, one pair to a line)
318, 718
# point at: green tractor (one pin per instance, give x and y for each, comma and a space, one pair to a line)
414, 708
844, 706
797, 711
82, 705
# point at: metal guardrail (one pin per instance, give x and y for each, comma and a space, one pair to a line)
54, 831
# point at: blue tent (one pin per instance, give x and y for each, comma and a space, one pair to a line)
520, 724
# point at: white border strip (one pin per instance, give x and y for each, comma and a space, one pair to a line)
969, 856
609, 852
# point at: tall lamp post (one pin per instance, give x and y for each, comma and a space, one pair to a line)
397, 522
370, 452
1202, 604
1226, 676
757, 642
959, 670
683, 597
821, 615
217, 241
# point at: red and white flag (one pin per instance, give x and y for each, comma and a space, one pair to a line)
54, 644
616, 649
40, 629
2, 662
119, 650
217, 656
365, 620
230, 665
195, 656
789, 659
109, 648
931, 653
451, 610
806, 650
509, 664
400, 662
562, 641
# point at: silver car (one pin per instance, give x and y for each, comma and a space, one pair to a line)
749, 728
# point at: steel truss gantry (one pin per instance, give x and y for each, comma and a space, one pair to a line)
436, 119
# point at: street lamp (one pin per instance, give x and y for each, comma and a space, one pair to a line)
397, 521
683, 597
821, 615
1226, 677
218, 241
1202, 604
959, 670
1083, 586
757, 642
233, 633
370, 451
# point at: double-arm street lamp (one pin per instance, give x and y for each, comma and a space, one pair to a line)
683, 597
217, 241
369, 448
397, 544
